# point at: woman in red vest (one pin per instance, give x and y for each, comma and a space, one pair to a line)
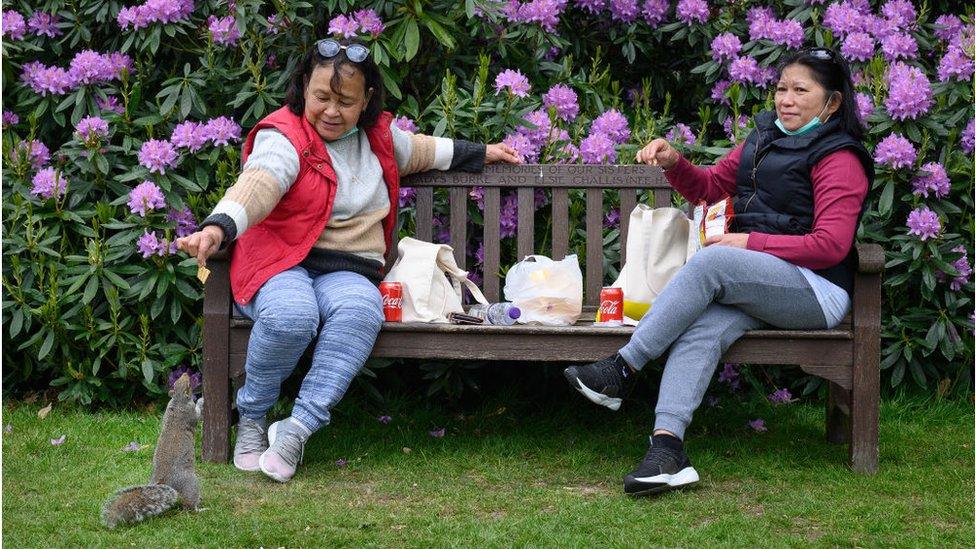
312, 217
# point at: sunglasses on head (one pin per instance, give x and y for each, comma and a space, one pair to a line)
328, 48
822, 54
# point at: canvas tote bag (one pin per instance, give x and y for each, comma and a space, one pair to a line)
431, 281
659, 242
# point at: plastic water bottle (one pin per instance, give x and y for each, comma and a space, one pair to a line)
496, 314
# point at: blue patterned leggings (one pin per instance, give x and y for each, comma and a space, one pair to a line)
343, 309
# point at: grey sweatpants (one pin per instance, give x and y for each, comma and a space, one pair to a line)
709, 303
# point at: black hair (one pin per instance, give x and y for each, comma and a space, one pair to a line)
295, 95
832, 72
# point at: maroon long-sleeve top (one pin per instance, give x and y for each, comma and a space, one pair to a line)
839, 187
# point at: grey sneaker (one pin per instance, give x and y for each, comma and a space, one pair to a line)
287, 438
252, 441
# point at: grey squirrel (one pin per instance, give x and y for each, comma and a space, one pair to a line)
174, 478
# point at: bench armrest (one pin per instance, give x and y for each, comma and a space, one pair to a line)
216, 292
870, 258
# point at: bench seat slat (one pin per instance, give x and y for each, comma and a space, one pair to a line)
243, 326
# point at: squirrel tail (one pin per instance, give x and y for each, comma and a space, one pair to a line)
137, 503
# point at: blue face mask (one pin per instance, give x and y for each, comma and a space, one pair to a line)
813, 123
347, 133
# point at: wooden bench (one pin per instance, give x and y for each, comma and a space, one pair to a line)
847, 357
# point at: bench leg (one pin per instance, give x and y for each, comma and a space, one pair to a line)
864, 425
838, 414
865, 401
216, 419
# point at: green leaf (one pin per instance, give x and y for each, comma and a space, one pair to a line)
157, 307
46, 346
439, 32
169, 103
16, 322
389, 82
90, 288
917, 373
186, 102
936, 332
115, 279
175, 311
887, 197
411, 39
147, 371
186, 289
897, 374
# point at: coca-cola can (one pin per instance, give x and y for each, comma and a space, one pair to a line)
612, 306
392, 293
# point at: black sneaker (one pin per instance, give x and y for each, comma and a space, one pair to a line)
606, 382
665, 467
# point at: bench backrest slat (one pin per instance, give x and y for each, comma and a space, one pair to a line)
594, 246
628, 201
492, 241
458, 197
560, 223
425, 213
662, 198
526, 222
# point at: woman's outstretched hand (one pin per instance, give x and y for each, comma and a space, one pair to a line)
658, 153
500, 152
202, 243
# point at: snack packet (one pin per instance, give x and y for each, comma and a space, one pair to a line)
713, 220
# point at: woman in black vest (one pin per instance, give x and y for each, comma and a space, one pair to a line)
797, 184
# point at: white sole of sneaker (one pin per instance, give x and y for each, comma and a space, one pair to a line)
272, 434
246, 469
659, 483
272, 475
596, 398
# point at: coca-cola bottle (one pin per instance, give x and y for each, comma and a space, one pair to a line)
497, 314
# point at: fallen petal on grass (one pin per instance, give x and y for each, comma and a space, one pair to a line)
437, 433
58, 441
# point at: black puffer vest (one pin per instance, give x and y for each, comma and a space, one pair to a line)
774, 191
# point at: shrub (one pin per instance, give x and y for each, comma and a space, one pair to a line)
122, 127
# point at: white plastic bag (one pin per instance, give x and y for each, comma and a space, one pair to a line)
547, 292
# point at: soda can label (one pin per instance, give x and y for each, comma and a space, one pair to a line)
392, 293
612, 305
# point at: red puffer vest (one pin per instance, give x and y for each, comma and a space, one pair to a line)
284, 238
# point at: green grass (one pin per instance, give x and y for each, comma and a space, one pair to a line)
511, 472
